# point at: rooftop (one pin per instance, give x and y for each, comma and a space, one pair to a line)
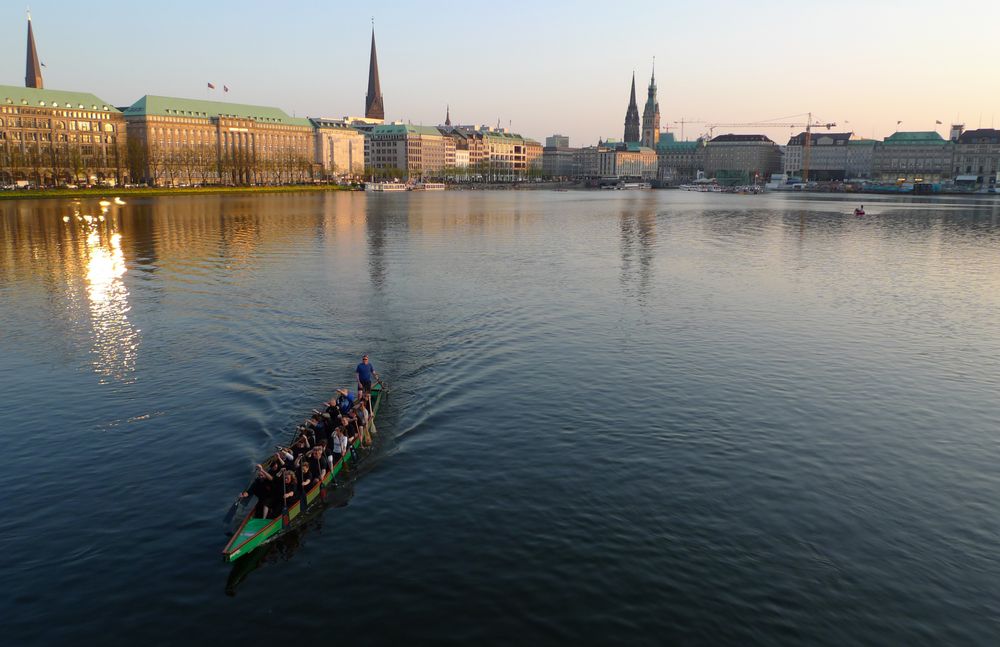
916, 137
409, 129
199, 109
980, 136
16, 95
837, 139
731, 138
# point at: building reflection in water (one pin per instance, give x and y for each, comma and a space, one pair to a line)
638, 243
115, 341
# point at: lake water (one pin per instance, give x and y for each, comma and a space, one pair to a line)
616, 417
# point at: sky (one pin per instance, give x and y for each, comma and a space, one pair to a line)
540, 67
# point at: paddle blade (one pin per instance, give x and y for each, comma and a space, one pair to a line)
232, 511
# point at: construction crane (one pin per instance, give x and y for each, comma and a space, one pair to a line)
809, 125
683, 121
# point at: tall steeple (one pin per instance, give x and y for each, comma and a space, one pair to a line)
33, 70
447, 116
651, 114
632, 117
373, 100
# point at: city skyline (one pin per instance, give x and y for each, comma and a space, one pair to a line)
546, 81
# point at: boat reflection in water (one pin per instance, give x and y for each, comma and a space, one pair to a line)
284, 547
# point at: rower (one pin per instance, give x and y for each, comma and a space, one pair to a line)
344, 401
262, 488
860, 211
365, 372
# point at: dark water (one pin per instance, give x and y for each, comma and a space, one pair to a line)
616, 417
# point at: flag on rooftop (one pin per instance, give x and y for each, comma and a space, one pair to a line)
937, 122
225, 88
211, 86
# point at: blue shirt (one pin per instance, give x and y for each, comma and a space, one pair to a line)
345, 402
365, 372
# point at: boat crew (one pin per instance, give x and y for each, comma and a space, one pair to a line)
860, 211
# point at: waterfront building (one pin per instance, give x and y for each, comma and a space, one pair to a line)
176, 141
977, 157
560, 161
632, 133
742, 159
374, 104
557, 141
54, 137
912, 157
651, 116
860, 156
406, 151
628, 161
507, 155
339, 148
588, 160
678, 162
33, 67
532, 156
828, 155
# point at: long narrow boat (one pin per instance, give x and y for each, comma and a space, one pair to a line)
255, 531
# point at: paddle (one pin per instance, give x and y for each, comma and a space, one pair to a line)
232, 509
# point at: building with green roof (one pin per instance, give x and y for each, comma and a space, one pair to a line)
179, 141
53, 137
407, 150
679, 161
913, 157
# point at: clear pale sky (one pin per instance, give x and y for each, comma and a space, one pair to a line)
541, 67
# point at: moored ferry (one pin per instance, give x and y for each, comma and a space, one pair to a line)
380, 187
429, 186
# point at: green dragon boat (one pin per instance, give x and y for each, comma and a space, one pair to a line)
255, 531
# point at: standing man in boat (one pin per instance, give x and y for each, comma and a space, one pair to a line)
365, 372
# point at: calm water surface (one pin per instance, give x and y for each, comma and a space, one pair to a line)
642, 417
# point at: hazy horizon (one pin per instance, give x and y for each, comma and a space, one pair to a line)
540, 68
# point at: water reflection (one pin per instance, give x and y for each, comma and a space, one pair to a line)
638, 240
115, 341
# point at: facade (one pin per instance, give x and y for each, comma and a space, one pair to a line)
532, 156
860, 156
557, 141
560, 161
588, 160
912, 157
405, 150
977, 158
628, 161
54, 137
679, 161
176, 141
742, 159
632, 134
651, 116
827, 156
508, 159
374, 104
340, 149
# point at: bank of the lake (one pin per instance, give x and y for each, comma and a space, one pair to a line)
42, 194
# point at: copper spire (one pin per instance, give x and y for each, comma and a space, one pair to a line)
33, 69
632, 117
374, 109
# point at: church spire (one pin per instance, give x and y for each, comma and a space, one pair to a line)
33, 69
632, 117
651, 114
447, 116
374, 109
